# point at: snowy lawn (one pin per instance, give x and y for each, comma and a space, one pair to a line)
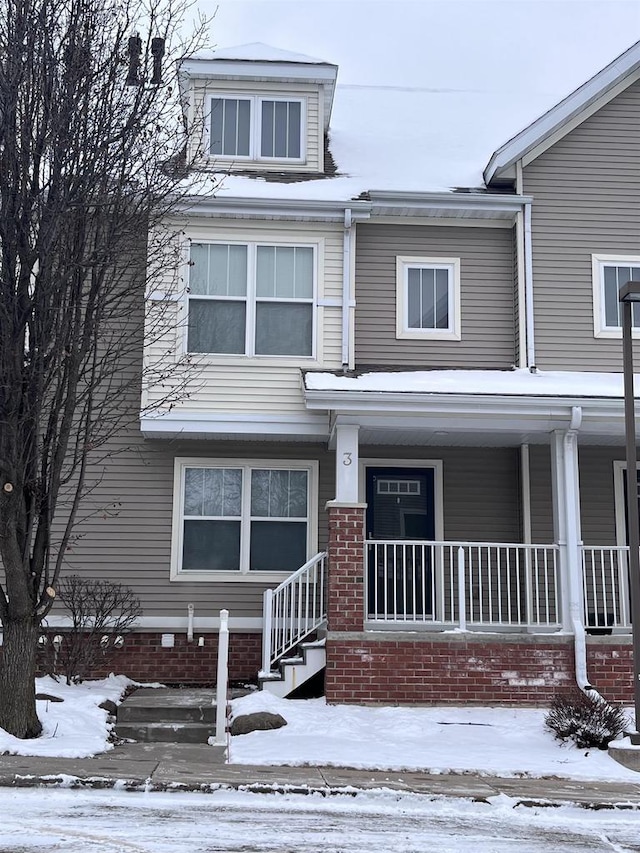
74, 728
486, 741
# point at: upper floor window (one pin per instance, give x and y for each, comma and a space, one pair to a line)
251, 299
256, 128
428, 298
610, 273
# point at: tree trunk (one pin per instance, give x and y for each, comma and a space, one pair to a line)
17, 678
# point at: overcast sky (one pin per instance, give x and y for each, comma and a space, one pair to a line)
511, 46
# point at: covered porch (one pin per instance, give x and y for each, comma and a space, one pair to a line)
396, 570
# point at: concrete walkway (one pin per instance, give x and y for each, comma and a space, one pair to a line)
196, 767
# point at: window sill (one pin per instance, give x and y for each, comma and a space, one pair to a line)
264, 578
440, 335
615, 334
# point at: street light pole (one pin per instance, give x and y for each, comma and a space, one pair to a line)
629, 294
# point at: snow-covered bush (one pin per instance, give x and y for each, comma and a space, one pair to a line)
586, 719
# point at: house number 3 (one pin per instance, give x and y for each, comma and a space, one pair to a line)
346, 459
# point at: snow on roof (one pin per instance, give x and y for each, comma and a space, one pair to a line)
518, 382
404, 139
259, 52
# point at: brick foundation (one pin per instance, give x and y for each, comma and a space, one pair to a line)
435, 669
142, 658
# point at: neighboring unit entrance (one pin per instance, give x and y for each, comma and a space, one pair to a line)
400, 523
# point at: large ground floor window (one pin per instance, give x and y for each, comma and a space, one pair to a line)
235, 518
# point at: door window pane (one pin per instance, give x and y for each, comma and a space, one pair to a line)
216, 326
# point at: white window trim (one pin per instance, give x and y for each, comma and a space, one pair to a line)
255, 127
244, 575
598, 262
251, 300
403, 332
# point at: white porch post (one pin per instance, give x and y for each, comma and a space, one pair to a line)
347, 463
559, 522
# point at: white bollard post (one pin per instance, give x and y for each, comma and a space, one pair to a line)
222, 680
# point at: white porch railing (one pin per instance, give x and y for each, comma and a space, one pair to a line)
294, 609
463, 584
605, 578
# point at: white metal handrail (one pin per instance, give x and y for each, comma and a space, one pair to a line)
501, 585
605, 587
294, 609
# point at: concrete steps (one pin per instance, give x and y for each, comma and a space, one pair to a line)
167, 715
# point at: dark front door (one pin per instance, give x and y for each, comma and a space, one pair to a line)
400, 518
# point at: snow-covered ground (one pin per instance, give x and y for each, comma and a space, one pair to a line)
241, 822
75, 727
487, 741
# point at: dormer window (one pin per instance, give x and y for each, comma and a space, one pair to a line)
257, 128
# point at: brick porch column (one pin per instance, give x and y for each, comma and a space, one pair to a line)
346, 605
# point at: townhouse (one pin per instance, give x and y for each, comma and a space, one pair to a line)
401, 437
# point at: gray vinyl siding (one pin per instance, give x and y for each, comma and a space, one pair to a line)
597, 502
127, 536
586, 191
481, 491
487, 301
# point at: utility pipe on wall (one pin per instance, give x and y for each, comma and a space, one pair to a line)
346, 288
528, 289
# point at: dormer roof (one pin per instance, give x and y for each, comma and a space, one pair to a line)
264, 63
257, 51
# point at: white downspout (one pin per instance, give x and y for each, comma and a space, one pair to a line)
525, 245
574, 540
528, 289
346, 289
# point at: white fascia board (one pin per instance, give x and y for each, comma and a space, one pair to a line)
265, 208
196, 424
595, 89
176, 624
234, 69
382, 402
422, 203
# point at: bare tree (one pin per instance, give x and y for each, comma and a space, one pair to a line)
88, 165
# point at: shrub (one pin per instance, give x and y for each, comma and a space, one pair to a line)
586, 719
101, 612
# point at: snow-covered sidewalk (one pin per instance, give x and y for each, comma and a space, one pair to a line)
508, 742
